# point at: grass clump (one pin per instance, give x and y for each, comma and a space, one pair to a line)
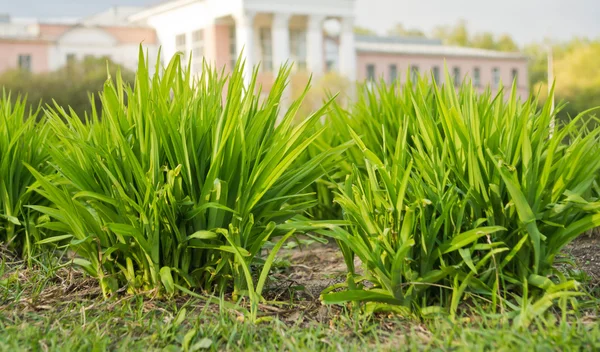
181, 186
22, 141
454, 192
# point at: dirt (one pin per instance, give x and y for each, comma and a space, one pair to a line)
312, 269
317, 267
586, 252
296, 287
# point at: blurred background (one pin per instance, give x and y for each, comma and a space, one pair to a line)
58, 50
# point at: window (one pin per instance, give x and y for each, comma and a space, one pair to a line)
477, 77
25, 62
515, 76
436, 74
197, 50
332, 54
71, 58
266, 49
414, 73
233, 54
181, 45
298, 48
456, 75
370, 72
393, 73
495, 77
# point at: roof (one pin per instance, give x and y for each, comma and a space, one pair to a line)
422, 46
397, 40
20, 28
160, 7
114, 16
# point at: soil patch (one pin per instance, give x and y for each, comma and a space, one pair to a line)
586, 252
312, 269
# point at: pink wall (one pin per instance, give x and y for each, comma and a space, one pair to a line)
216, 46
403, 62
222, 52
11, 49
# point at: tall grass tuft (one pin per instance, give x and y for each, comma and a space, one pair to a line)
455, 192
180, 182
22, 141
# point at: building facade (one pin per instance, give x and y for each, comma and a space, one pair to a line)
42, 46
316, 35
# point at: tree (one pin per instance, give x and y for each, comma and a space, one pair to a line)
577, 76
576, 73
363, 31
399, 31
506, 43
484, 41
538, 64
457, 35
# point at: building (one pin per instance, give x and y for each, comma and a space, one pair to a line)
42, 46
395, 58
317, 35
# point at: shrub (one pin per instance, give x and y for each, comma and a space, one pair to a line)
456, 192
182, 186
69, 87
22, 140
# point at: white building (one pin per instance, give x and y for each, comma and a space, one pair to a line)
316, 35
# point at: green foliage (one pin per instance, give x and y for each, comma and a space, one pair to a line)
456, 192
22, 141
179, 188
459, 35
69, 86
175, 184
400, 31
576, 73
453, 35
79, 322
363, 31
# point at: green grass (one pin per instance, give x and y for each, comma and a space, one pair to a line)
158, 219
174, 187
49, 308
454, 192
22, 141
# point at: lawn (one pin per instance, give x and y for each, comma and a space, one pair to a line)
53, 308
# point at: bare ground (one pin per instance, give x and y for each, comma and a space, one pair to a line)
315, 268
293, 293
586, 252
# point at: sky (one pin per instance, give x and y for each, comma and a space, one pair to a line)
525, 20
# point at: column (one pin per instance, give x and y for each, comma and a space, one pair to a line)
280, 37
347, 49
244, 30
314, 45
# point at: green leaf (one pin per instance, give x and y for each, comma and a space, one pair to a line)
187, 339
359, 296
269, 262
466, 238
167, 280
203, 344
202, 235
11, 219
54, 239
